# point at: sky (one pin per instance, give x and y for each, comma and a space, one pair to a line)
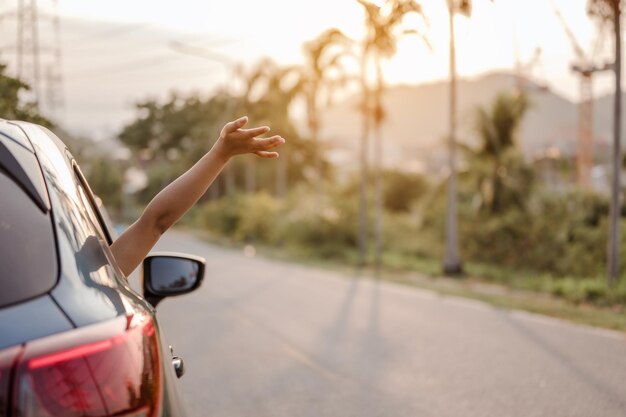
117, 52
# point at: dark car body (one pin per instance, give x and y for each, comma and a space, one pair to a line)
75, 339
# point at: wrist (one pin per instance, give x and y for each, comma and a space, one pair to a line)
220, 151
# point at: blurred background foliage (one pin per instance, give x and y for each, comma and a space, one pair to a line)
11, 104
514, 229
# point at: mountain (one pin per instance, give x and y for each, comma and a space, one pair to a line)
417, 119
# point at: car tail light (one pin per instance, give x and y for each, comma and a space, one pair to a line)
8, 357
83, 374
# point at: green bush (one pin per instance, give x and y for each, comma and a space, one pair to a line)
562, 234
555, 235
258, 218
326, 226
402, 189
222, 217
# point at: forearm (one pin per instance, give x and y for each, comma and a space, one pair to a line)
165, 209
174, 200
178, 197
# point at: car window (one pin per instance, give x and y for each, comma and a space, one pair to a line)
96, 218
91, 211
80, 243
27, 248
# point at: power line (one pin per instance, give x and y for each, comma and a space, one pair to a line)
159, 59
102, 37
201, 53
113, 33
161, 75
131, 66
54, 74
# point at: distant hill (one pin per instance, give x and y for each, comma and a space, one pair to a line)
417, 118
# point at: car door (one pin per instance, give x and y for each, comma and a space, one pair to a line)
172, 396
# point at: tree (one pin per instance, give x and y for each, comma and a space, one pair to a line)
610, 11
168, 137
11, 107
502, 176
266, 99
402, 189
172, 135
321, 74
106, 180
452, 261
383, 30
251, 81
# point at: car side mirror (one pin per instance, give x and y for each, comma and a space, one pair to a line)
167, 274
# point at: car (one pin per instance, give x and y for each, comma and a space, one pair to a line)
75, 339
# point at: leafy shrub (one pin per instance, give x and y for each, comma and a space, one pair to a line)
561, 234
553, 236
258, 217
222, 217
402, 189
326, 226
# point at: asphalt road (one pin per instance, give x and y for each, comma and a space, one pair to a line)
266, 338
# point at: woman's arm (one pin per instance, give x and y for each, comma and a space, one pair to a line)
132, 246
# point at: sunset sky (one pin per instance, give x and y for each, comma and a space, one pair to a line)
245, 30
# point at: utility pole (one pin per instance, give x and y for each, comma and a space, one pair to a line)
610, 12
28, 64
452, 262
39, 67
54, 75
378, 169
615, 209
363, 163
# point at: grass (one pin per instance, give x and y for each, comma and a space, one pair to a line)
503, 297
562, 298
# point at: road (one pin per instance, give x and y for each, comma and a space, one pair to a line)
269, 338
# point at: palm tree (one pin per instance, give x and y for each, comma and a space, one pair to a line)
380, 43
279, 95
253, 80
320, 75
498, 181
261, 84
452, 261
269, 93
610, 11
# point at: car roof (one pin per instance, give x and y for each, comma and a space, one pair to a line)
18, 160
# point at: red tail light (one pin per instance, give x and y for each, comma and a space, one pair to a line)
8, 357
102, 370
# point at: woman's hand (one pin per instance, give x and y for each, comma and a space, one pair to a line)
174, 200
234, 140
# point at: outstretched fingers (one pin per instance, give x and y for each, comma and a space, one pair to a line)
266, 154
233, 126
238, 140
250, 133
263, 144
